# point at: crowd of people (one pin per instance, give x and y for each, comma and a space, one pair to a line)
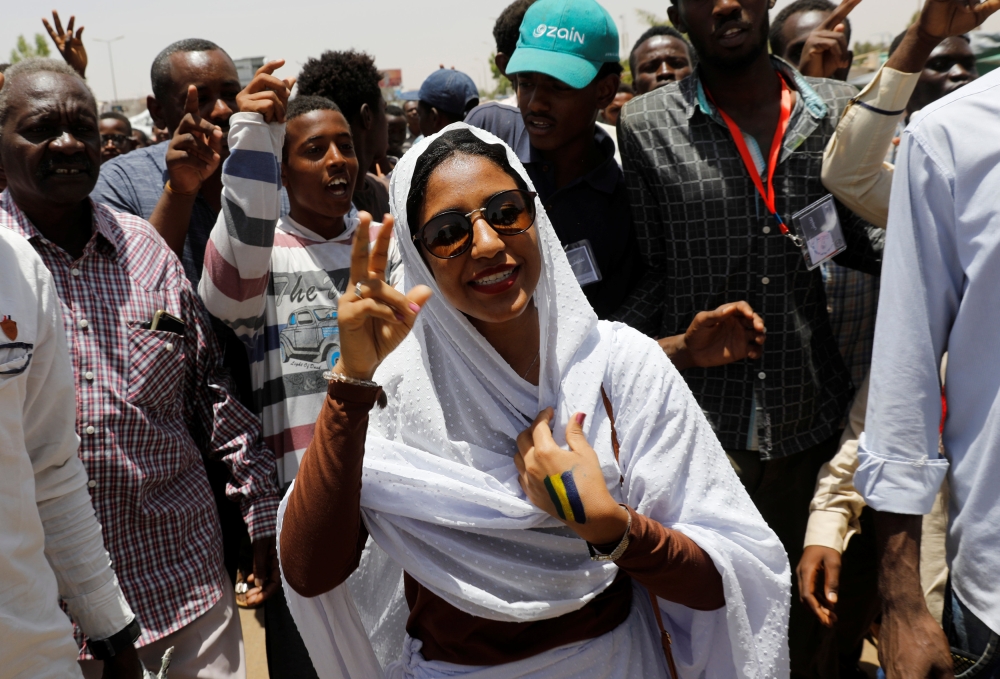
585, 382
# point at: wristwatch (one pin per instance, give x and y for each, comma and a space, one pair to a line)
619, 550
105, 649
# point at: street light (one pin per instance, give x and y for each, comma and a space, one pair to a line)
114, 87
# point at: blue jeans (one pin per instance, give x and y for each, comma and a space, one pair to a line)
973, 644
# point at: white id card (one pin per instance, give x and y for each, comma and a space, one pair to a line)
819, 228
581, 260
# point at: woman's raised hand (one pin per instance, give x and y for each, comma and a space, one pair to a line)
568, 484
374, 324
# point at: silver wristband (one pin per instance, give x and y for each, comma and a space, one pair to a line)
619, 550
331, 376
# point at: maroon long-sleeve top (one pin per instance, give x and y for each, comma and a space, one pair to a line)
323, 536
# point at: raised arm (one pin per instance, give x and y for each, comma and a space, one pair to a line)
322, 535
854, 167
238, 255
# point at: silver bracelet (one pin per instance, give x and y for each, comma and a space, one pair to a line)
619, 550
331, 376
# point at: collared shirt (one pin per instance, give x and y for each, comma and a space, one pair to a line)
593, 207
940, 293
51, 539
134, 182
150, 406
708, 239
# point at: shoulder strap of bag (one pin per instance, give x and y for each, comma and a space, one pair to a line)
665, 639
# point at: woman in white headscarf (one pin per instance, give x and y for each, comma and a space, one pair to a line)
530, 544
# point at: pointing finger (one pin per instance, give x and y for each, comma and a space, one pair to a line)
191, 103
52, 33
838, 15
379, 258
359, 250
270, 67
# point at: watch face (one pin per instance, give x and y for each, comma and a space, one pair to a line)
103, 649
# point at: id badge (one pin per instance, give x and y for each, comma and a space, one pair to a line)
581, 260
818, 226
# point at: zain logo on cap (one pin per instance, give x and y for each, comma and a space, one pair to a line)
556, 32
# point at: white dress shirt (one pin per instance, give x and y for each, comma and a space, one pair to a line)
941, 292
50, 541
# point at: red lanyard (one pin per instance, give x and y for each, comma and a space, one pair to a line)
772, 157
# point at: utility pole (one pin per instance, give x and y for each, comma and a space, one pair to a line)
114, 87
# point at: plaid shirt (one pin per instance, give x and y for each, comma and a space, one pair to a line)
150, 405
708, 240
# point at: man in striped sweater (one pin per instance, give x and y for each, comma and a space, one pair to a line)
276, 280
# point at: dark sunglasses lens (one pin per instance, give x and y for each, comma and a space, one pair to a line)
446, 235
511, 212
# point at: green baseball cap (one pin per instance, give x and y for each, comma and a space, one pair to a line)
568, 40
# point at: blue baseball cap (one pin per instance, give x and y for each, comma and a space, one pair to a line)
448, 90
568, 40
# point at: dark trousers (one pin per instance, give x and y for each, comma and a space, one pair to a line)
287, 657
782, 490
975, 648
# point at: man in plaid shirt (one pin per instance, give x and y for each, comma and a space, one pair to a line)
708, 236
152, 403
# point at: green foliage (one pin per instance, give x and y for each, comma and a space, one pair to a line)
25, 51
626, 71
503, 85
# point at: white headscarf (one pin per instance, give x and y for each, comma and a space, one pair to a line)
440, 493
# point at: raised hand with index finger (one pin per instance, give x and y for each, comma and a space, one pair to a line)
195, 150
373, 317
826, 51
267, 94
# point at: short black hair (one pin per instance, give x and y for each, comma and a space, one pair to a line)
393, 110
444, 147
625, 87
508, 26
774, 34
4, 67
303, 104
652, 32
115, 115
348, 78
159, 73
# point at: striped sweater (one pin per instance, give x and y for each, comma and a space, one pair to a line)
276, 284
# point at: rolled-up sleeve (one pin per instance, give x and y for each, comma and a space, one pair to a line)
899, 468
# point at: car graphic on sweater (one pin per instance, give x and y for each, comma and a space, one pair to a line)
311, 335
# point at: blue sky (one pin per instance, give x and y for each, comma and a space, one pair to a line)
416, 35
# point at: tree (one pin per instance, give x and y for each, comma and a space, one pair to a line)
25, 51
504, 86
867, 47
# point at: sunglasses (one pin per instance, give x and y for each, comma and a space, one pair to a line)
116, 139
449, 234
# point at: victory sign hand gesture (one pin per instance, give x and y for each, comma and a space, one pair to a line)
373, 316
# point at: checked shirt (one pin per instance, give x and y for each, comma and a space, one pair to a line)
708, 239
150, 406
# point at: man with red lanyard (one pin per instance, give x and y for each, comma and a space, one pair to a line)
723, 170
